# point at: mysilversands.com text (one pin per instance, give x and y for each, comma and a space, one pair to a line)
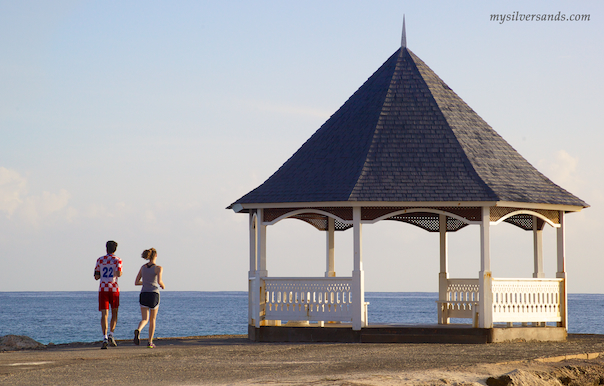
517, 16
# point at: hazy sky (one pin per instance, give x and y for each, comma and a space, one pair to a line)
141, 121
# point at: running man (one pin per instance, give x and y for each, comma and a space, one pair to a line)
108, 269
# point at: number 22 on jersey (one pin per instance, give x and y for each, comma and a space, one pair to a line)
107, 271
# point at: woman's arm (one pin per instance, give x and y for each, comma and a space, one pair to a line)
139, 277
159, 270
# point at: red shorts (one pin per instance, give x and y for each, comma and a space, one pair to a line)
107, 299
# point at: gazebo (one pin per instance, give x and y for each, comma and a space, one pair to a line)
405, 147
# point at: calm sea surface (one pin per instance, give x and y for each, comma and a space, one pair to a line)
63, 317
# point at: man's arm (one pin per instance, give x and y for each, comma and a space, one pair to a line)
97, 270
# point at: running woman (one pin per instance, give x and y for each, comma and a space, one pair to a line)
108, 269
149, 276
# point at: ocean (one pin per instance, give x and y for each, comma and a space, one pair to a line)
65, 317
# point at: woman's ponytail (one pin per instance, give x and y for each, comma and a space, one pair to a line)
149, 254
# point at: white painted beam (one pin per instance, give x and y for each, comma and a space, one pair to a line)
412, 204
485, 316
537, 249
561, 271
443, 276
252, 300
330, 253
358, 277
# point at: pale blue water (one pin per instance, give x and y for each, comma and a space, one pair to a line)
63, 317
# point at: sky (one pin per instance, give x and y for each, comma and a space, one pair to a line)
141, 121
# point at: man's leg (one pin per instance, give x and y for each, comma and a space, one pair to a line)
113, 319
112, 325
104, 317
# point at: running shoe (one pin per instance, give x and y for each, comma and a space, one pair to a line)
105, 344
137, 341
151, 345
112, 341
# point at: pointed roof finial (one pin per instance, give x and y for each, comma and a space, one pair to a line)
404, 38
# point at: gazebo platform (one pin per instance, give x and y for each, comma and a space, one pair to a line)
390, 333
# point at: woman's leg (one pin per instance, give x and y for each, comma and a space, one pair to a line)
144, 318
152, 316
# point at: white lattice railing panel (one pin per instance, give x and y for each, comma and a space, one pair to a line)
312, 299
527, 300
460, 299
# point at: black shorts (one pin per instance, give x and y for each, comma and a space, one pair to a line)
149, 299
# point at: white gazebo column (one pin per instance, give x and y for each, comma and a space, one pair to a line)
261, 245
443, 276
561, 271
261, 271
253, 301
358, 276
329, 266
538, 248
485, 308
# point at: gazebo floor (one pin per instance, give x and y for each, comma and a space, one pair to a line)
391, 333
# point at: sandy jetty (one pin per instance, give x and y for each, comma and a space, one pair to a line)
234, 360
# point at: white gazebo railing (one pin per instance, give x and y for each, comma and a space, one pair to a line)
513, 300
461, 300
308, 299
329, 299
527, 300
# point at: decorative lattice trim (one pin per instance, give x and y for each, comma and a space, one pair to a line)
525, 220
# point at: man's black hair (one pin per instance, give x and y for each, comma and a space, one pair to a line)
111, 246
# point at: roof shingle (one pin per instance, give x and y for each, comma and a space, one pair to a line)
404, 135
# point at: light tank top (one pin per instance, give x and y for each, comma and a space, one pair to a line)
149, 279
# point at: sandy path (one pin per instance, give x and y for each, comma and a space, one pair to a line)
237, 361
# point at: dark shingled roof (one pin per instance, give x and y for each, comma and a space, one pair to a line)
406, 136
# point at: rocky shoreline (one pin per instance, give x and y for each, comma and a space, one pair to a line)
19, 342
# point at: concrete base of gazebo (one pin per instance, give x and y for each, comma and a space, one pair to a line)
461, 334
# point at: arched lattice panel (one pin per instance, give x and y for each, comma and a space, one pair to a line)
320, 221
497, 212
525, 221
454, 224
271, 214
428, 221
468, 213
425, 220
